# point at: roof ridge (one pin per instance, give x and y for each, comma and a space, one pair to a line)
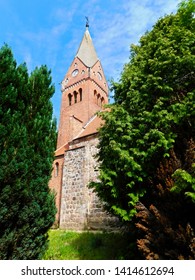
61, 146
90, 120
84, 127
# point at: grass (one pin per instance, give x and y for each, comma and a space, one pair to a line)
65, 245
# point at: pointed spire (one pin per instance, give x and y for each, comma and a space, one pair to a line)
86, 52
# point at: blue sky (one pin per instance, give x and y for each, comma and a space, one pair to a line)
49, 31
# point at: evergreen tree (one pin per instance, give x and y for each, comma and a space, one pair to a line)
27, 143
151, 120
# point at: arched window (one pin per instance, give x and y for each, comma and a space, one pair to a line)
98, 100
75, 96
95, 96
56, 170
80, 94
102, 102
70, 99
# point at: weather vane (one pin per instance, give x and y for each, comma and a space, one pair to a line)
87, 21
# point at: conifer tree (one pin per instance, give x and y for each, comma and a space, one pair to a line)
151, 120
27, 143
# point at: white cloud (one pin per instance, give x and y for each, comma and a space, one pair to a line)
114, 32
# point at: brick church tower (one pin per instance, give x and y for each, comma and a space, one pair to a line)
84, 92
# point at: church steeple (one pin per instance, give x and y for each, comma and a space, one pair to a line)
84, 91
86, 52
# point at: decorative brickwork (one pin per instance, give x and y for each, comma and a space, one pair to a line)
92, 83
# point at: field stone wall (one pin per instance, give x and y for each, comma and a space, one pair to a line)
80, 206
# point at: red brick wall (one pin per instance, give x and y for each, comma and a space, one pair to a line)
94, 93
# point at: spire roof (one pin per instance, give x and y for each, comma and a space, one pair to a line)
86, 52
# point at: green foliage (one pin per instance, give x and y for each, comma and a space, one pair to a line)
89, 246
153, 112
27, 143
185, 182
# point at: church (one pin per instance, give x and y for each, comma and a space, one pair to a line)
84, 92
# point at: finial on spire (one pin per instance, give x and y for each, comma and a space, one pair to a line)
87, 22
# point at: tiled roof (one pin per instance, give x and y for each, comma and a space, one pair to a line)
91, 127
60, 151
